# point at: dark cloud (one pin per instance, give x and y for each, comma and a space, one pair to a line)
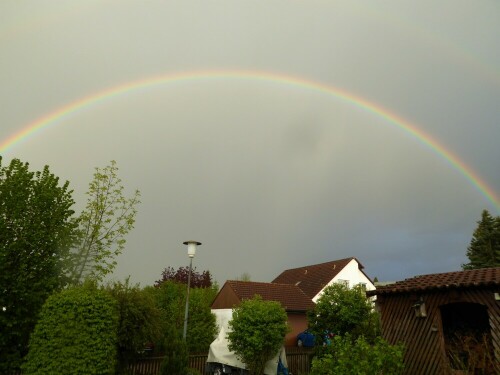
268, 175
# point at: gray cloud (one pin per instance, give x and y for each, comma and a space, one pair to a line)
267, 175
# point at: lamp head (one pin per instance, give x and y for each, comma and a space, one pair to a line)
192, 247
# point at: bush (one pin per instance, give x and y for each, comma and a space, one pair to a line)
76, 334
139, 322
176, 354
170, 299
257, 332
351, 357
341, 310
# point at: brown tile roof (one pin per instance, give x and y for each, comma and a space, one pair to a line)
290, 297
311, 279
459, 279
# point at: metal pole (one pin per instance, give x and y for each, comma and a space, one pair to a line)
184, 334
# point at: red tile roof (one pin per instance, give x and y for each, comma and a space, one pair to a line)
459, 279
290, 297
311, 279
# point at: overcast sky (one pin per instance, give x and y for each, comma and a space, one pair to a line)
266, 174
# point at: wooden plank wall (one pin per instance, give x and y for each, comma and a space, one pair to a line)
423, 337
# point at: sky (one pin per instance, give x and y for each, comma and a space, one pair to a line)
278, 133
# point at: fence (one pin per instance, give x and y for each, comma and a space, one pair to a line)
299, 360
299, 363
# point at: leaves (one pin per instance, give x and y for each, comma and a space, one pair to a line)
484, 248
170, 299
76, 334
107, 218
198, 280
258, 330
139, 320
348, 356
339, 310
36, 233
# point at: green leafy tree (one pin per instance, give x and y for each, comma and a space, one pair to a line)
36, 234
170, 299
104, 223
484, 248
139, 322
202, 326
348, 356
257, 332
176, 359
76, 334
341, 310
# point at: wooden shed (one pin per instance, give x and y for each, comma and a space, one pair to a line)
448, 322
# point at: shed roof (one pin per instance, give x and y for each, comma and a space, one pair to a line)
312, 279
290, 297
459, 279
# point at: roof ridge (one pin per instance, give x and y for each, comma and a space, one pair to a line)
256, 282
451, 272
320, 264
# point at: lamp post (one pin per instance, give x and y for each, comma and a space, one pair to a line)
191, 246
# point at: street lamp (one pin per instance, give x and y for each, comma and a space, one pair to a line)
191, 253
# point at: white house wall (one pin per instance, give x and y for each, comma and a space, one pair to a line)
352, 274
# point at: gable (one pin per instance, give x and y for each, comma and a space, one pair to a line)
226, 298
351, 275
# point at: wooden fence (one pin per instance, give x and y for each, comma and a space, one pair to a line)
299, 363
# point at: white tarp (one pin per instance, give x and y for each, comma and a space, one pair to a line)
219, 352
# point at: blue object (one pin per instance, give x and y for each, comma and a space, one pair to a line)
282, 370
305, 339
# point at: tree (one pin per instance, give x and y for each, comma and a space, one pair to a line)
139, 321
257, 332
170, 299
176, 359
36, 234
484, 248
103, 225
341, 310
202, 326
198, 280
76, 334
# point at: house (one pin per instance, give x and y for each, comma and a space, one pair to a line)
295, 302
295, 289
448, 322
314, 278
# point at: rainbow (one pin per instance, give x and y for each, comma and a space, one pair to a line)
44, 122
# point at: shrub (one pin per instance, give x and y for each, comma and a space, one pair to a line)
257, 332
351, 357
139, 321
76, 334
341, 310
170, 299
176, 354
